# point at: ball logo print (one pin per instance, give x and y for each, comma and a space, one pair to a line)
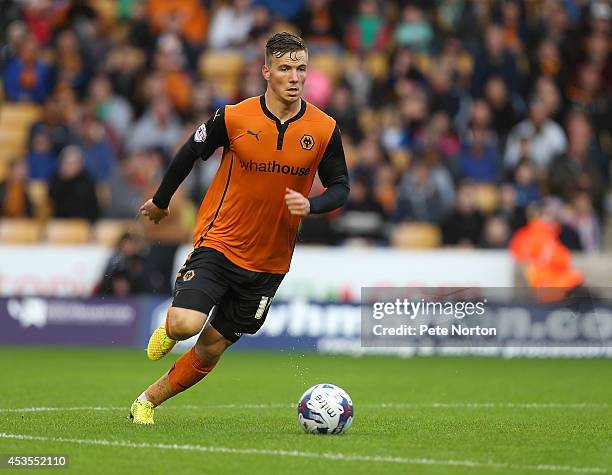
325, 409
307, 142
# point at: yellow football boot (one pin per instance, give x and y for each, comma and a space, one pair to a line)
142, 412
160, 344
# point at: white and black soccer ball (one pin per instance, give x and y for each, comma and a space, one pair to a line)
325, 409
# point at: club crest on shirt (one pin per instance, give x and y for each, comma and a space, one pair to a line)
188, 275
307, 142
200, 134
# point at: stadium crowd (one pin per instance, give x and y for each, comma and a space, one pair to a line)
457, 115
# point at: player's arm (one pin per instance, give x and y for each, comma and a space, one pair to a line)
334, 177
206, 139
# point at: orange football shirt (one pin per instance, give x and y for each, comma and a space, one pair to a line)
244, 215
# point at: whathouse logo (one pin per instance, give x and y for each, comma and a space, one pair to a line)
273, 166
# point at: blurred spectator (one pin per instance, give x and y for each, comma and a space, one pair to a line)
444, 95
170, 68
72, 190
494, 60
413, 30
362, 216
53, 124
124, 65
282, 9
319, 88
418, 198
42, 159
513, 27
504, 112
479, 160
588, 92
583, 167
321, 24
442, 177
344, 111
546, 261
546, 91
404, 76
71, 68
525, 182
114, 110
496, 233
581, 217
124, 274
370, 158
553, 210
129, 182
547, 62
368, 30
14, 200
26, 76
509, 209
544, 138
158, 127
187, 17
439, 138
230, 25
16, 33
463, 226
98, 153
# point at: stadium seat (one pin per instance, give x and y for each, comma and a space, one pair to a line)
486, 196
377, 65
16, 231
223, 68
108, 231
39, 196
14, 141
67, 231
17, 115
106, 9
416, 236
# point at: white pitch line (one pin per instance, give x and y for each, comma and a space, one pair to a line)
300, 454
382, 405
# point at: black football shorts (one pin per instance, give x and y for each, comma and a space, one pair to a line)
241, 298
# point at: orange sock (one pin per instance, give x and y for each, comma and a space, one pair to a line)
187, 371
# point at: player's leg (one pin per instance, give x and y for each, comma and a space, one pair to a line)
199, 285
190, 368
180, 324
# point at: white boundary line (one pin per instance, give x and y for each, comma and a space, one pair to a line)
382, 405
300, 454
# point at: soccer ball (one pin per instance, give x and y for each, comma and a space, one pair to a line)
325, 409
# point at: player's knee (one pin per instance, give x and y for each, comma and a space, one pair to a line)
184, 323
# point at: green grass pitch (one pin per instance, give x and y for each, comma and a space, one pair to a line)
415, 416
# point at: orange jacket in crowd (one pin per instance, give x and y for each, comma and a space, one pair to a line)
547, 261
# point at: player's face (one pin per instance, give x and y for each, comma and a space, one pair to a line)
286, 75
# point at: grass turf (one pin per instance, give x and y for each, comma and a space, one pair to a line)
398, 426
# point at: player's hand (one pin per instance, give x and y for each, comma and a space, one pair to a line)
297, 203
155, 214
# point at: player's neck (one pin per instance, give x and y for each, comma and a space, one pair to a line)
280, 109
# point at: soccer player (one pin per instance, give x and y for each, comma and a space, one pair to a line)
248, 222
